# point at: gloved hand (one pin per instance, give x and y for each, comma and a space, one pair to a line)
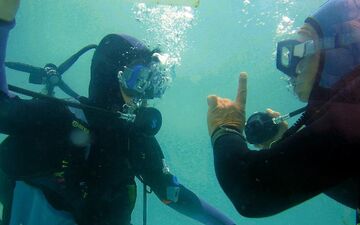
283, 126
8, 9
224, 112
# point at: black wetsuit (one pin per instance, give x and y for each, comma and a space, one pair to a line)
322, 157
39, 145
39, 141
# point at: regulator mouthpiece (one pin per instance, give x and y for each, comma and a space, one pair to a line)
260, 128
148, 121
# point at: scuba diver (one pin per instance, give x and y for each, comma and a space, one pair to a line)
65, 165
320, 152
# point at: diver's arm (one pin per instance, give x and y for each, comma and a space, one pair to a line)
5, 27
266, 182
192, 206
173, 194
184, 201
8, 9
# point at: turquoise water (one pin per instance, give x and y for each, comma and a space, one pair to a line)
210, 46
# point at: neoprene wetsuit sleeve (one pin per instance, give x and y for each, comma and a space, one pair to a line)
5, 27
266, 182
155, 174
194, 207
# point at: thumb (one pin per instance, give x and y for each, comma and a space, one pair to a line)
212, 101
272, 113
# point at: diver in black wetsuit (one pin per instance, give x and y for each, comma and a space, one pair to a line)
320, 153
61, 165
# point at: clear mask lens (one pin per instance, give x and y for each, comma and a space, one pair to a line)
285, 56
290, 53
142, 82
160, 79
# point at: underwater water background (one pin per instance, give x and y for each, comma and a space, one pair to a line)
210, 45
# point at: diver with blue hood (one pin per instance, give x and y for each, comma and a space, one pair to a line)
320, 152
75, 163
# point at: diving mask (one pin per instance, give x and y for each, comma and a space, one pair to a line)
146, 81
290, 53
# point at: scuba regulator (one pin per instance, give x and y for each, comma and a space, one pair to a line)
260, 127
146, 120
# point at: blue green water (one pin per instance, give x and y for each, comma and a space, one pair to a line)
214, 43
